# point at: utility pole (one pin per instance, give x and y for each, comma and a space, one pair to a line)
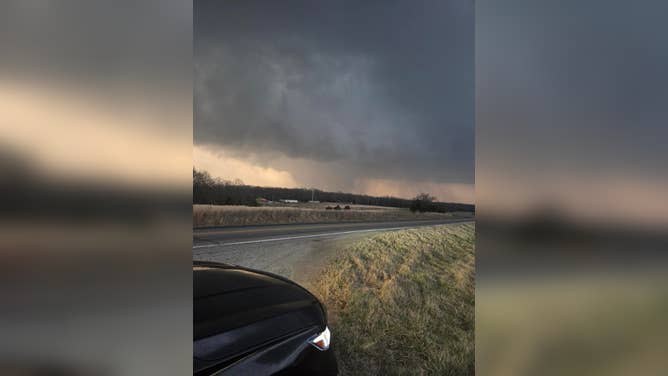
312, 194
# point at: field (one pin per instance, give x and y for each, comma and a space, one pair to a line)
218, 215
403, 302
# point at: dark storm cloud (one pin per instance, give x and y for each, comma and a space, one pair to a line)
571, 108
383, 88
565, 85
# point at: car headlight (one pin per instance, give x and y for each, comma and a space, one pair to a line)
321, 341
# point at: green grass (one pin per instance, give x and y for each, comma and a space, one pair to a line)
402, 303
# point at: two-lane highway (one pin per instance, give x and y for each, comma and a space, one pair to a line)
294, 250
227, 236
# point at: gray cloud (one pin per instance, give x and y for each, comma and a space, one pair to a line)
572, 90
571, 114
380, 89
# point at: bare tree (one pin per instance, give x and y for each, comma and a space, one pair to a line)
423, 202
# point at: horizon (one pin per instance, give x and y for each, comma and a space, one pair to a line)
240, 182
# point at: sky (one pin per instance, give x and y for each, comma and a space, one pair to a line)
365, 97
83, 98
570, 109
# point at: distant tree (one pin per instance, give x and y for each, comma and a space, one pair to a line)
337, 207
347, 207
202, 178
329, 208
423, 202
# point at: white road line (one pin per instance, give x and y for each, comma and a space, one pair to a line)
302, 236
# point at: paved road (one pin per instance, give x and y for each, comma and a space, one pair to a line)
232, 236
294, 251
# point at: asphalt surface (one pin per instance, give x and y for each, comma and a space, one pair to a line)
230, 236
295, 251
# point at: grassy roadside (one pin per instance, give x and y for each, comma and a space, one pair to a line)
403, 302
218, 215
575, 324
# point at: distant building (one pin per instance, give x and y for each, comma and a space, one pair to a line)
314, 202
262, 201
290, 201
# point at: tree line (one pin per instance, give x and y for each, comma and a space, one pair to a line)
216, 191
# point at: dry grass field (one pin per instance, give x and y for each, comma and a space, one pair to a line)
403, 303
218, 215
587, 325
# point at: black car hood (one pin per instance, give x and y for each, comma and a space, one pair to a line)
238, 311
